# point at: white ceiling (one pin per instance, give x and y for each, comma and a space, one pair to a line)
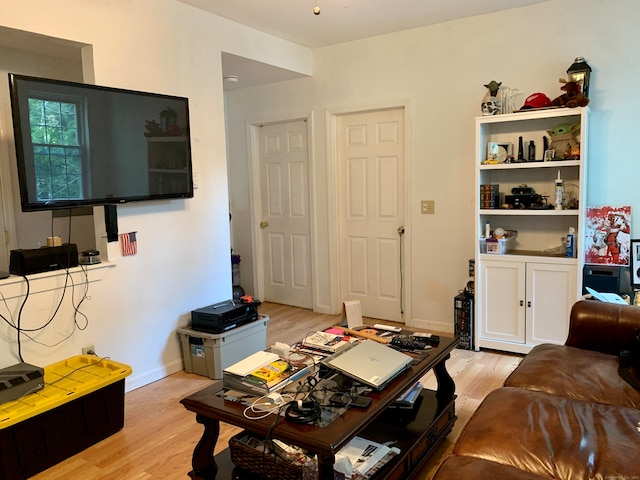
344, 20
293, 20
339, 21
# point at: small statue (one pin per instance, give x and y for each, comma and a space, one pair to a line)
492, 103
572, 97
153, 129
564, 141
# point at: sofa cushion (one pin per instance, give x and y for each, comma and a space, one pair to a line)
553, 436
574, 373
457, 467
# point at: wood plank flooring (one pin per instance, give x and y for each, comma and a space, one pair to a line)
159, 434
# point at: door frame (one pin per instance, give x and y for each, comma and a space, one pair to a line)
331, 120
252, 129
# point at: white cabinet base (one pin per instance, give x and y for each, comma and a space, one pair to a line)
522, 304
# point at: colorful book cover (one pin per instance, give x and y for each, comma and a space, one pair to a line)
271, 370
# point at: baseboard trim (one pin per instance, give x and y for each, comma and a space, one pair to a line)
442, 327
136, 381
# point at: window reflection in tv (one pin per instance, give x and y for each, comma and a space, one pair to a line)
79, 144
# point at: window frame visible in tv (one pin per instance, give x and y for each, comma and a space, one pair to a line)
128, 146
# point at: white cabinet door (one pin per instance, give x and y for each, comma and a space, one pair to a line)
501, 312
551, 292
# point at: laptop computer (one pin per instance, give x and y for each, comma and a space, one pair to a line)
607, 297
370, 363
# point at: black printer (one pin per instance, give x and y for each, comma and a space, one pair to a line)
224, 316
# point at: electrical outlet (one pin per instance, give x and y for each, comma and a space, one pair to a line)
89, 350
428, 207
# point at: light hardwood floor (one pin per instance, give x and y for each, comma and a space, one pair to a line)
159, 434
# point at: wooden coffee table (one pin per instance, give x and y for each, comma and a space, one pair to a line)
416, 432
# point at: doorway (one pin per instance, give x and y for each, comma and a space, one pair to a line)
285, 213
371, 210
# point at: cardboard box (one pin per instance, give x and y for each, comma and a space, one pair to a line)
208, 354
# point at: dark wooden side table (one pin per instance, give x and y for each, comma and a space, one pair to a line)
416, 432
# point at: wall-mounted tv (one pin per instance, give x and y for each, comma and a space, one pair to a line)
79, 144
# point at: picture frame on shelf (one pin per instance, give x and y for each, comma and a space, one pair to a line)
499, 152
548, 155
635, 263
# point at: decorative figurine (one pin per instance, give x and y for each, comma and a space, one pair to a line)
491, 103
572, 97
564, 141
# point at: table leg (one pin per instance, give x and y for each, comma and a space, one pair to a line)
325, 467
446, 386
203, 461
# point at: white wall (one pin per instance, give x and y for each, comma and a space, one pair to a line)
439, 72
183, 245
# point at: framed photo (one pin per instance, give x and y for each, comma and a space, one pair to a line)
548, 155
500, 152
635, 263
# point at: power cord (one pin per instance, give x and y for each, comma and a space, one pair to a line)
266, 405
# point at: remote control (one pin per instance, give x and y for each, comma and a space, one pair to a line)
388, 328
409, 342
422, 334
427, 337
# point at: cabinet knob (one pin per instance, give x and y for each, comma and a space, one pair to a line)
522, 303
529, 304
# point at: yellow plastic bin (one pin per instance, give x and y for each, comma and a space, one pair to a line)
81, 403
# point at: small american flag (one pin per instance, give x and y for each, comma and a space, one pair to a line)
129, 243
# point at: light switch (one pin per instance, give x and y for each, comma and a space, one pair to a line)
428, 207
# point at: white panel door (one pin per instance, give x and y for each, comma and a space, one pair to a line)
551, 292
371, 163
284, 176
501, 299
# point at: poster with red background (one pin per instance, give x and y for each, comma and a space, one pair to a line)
608, 235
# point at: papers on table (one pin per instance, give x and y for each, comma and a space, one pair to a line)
360, 458
251, 363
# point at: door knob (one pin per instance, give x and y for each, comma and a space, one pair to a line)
264, 224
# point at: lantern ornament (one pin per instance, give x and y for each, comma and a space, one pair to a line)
580, 71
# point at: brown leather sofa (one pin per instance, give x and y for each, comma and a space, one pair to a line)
564, 413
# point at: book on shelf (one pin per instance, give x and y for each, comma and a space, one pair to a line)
489, 196
328, 342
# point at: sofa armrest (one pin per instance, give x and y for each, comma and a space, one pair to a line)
602, 327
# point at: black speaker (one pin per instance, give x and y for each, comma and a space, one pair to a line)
111, 222
45, 259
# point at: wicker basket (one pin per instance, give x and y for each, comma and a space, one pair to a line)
255, 461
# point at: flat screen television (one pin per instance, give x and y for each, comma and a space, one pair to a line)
80, 144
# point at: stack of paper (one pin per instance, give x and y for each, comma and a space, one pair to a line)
328, 342
260, 374
361, 458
